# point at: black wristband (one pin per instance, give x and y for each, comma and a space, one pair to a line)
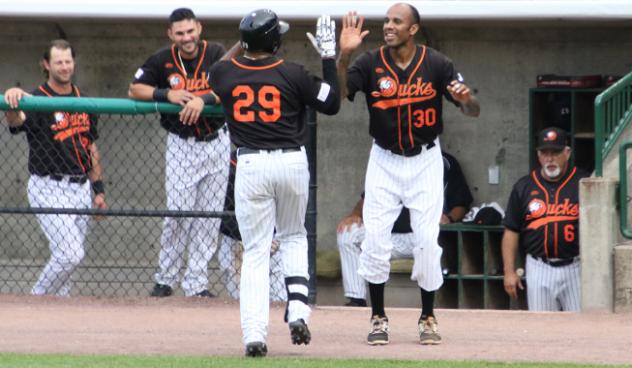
160, 94
209, 99
98, 187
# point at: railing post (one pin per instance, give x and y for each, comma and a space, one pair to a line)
623, 190
599, 140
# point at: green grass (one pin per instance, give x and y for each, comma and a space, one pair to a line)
93, 361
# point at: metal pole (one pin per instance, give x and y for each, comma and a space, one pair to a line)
310, 217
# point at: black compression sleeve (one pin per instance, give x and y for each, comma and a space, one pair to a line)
209, 99
330, 75
160, 94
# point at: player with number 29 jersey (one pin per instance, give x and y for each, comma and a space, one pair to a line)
265, 100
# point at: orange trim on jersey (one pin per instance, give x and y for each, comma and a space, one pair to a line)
263, 67
71, 132
233, 162
546, 196
399, 124
175, 62
75, 89
202, 92
62, 136
387, 104
41, 88
557, 194
197, 69
549, 219
74, 144
410, 112
83, 168
181, 67
202, 54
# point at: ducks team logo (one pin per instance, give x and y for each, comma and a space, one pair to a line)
176, 81
536, 208
387, 87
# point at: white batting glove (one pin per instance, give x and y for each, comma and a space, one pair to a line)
325, 40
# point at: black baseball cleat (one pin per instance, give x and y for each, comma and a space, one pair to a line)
299, 332
205, 294
161, 291
256, 349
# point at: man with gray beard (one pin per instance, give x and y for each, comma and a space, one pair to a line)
542, 216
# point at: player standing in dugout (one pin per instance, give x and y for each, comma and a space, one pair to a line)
404, 84
197, 152
64, 163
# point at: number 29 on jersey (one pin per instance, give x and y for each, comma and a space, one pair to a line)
262, 104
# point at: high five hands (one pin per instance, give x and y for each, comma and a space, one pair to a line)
325, 40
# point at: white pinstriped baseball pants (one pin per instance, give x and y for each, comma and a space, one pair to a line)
196, 176
553, 288
65, 233
349, 243
393, 181
271, 190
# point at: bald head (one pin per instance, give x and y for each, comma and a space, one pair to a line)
411, 10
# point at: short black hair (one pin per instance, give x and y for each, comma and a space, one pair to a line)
181, 14
415, 13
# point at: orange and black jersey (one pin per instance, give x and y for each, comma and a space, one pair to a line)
166, 69
265, 100
546, 214
405, 106
58, 141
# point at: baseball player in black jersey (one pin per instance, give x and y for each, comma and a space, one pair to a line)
542, 217
351, 232
198, 151
404, 84
264, 98
63, 162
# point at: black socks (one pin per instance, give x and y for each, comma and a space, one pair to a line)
376, 292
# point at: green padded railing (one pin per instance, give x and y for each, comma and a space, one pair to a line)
613, 113
100, 105
623, 190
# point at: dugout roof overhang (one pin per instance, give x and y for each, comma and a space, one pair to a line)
431, 10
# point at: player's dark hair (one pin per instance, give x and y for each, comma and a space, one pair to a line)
415, 13
58, 44
181, 14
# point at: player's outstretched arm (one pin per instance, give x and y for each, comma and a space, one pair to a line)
351, 38
233, 51
328, 98
462, 93
325, 40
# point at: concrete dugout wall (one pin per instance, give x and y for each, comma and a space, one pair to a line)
499, 61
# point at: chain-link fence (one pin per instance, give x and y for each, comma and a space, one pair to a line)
165, 198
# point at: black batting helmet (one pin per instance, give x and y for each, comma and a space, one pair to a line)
261, 30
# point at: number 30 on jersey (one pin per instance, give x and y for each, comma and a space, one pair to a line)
268, 98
